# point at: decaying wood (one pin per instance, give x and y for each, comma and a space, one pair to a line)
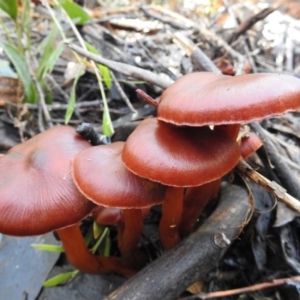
194, 257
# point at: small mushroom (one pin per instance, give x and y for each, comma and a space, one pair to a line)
178, 157
249, 144
38, 195
106, 215
101, 176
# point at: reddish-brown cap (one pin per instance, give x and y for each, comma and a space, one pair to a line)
249, 144
179, 156
37, 193
106, 215
204, 98
101, 176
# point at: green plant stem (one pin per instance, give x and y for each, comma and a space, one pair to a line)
7, 34
82, 43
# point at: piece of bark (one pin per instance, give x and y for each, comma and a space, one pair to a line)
194, 257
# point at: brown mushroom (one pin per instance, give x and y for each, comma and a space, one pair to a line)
203, 98
178, 157
38, 195
101, 176
196, 198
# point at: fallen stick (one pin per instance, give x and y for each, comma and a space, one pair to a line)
248, 289
192, 258
124, 69
270, 186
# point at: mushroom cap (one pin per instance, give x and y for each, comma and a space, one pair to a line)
101, 176
204, 98
37, 193
179, 156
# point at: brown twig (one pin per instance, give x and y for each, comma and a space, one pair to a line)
121, 93
173, 24
42, 101
270, 186
247, 24
248, 289
124, 69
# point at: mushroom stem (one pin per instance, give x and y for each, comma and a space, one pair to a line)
147, 98
129, 231
195, 200
171, 217
231, 130
82, 259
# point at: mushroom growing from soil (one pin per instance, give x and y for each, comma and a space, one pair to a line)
38, 195
178, 157
101, 176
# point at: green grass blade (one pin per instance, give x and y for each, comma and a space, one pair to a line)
72, 101
49, 53
52, 59
99, 241
10, 7
107, 245
97, 229
19, 62
60, 278
107, 127
103, 69
47, 247
75, 12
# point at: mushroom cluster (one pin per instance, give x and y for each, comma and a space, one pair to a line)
57, 178
38, 195
204, 99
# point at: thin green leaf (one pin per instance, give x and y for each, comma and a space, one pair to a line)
72, 101
99, 241
60, 278
52, 59
10, 7
103, 69
108, 129
19, 62
47, 49
46, 247
97, 229
107, 245
75, 12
